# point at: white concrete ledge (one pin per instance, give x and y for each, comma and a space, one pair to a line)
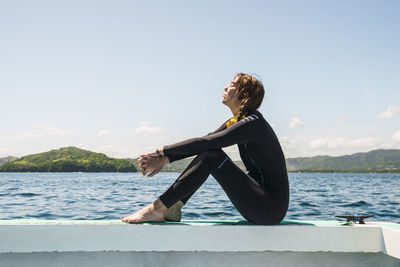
117, 237
45, 238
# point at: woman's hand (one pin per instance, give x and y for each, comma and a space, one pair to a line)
152, 163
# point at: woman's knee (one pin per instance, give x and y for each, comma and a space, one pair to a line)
214, 157
213, 154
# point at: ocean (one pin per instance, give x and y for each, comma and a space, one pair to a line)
108, 196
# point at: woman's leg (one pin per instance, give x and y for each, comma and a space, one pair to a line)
188, 182
157, 211
251, 200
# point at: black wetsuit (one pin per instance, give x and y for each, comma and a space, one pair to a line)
262, 195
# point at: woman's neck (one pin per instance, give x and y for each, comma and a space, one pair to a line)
234, 109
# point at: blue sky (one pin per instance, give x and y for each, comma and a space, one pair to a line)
126, 77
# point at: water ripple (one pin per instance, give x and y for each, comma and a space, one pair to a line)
306, 204
358, 204
104, 196
26, 194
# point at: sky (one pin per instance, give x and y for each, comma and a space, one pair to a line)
126, 77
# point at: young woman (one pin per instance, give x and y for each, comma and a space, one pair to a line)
261, 195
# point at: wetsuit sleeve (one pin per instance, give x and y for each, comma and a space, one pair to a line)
241, 132
173, 158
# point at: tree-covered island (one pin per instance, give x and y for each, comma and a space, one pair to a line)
68, 159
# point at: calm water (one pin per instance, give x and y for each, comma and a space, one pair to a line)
111, 195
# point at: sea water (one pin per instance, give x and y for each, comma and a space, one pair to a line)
107, 196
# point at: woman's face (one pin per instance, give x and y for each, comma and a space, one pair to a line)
230, 95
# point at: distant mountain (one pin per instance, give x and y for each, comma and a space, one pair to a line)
72, 159
381, 160
68, 159
7, 159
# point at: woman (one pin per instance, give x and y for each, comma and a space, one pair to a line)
261, 195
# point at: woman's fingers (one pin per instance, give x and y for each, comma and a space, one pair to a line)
146, 169
143, 164
154, 172
151, 155
148, 158
154, 154
143, 170
152, 166
142, 158
142, 161
150, 163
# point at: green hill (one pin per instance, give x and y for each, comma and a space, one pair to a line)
68, 159
381, 160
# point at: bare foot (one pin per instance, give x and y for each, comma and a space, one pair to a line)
174, 213
154, 212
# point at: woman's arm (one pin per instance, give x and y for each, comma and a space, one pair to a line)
241, 132
153, 162
173, 158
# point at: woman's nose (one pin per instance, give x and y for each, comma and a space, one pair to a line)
226, 88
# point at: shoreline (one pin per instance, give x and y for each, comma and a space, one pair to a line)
291, 172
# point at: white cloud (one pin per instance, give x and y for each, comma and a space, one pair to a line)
104, 133
286, 140
119, 151
340, 120
391, 112
149, 129
292, 146
318, 143
295, 122
38, 132
370, 142
396, 137
51, 130
307, 146
28, 136
116, 151
25, 136
109, 150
